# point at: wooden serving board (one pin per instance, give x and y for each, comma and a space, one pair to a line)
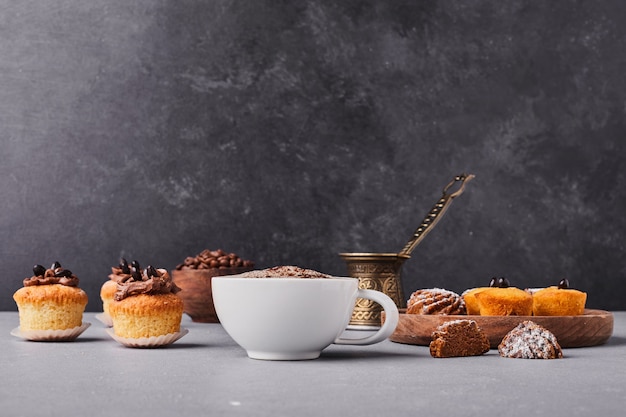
592, 328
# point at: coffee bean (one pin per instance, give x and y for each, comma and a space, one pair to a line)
503, 282
39, 270
564, 284
151, 272
136, 273
124, 266
60, 272
499, 282
55, 265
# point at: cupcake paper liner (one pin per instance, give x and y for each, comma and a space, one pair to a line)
105, 319
66, 335
148, 342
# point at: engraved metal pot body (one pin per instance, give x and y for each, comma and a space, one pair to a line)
375, 271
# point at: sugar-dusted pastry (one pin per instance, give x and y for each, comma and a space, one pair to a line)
559, 300
50, 300
435, 301
529, 340
458, 338
146, 305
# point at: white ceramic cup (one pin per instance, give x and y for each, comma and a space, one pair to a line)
293, 318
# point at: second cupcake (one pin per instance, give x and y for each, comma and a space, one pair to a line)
146, 305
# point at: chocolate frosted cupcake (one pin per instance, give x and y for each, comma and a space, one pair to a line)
146, 305
50, 300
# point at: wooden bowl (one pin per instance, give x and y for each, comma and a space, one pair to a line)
592, 328
195, 285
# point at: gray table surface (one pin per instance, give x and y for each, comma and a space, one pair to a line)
206, 373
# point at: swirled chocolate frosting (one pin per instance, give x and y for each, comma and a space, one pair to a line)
53, 275
121, 272
149, 281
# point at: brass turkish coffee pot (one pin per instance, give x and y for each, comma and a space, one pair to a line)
381, 271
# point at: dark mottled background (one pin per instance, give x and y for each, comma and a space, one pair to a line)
290, 131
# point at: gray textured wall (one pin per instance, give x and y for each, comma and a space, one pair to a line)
290, 131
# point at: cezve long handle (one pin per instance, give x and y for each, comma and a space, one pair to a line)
435, 214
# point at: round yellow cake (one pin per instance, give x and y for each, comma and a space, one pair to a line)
146, 315
471, 303
509, 301
50, 307
554, 301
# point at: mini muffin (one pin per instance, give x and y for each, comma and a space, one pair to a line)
471, 303
559, 301
146, 305
499, 299
508, 301
50, 300
469, 296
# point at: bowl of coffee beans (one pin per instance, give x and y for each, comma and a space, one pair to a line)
193, 277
